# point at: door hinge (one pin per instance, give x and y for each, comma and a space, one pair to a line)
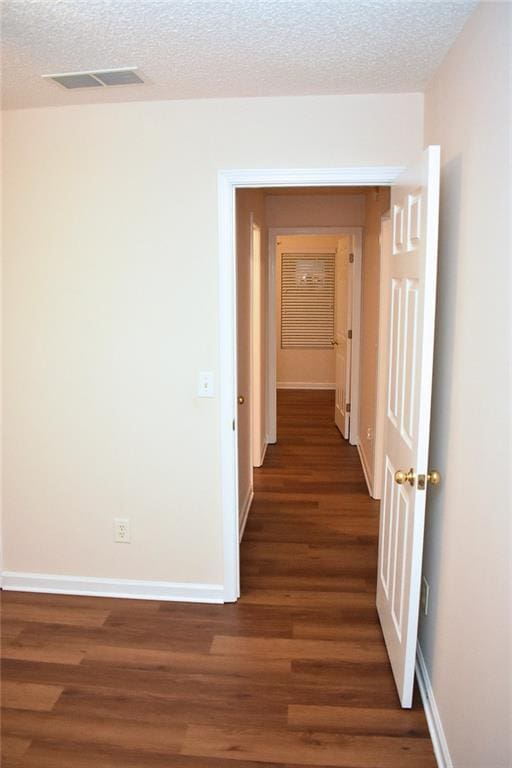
347, 408
349, 334
233, 425
351, 258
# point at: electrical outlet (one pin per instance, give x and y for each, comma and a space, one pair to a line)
425, 589
122, 530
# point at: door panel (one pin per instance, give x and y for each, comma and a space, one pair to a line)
411, 285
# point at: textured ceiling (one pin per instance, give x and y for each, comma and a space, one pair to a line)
224, 48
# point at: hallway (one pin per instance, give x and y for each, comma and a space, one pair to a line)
310, 552
294, 674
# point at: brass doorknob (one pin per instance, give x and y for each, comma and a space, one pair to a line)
241, 399
401, 477
434, 477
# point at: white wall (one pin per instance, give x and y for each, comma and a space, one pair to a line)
110, 312
466, 637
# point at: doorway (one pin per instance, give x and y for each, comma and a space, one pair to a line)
411, 282
352, 235
228, 182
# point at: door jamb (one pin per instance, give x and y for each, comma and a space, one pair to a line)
355, 351
382, 383
227, 183
256, 349
273, 234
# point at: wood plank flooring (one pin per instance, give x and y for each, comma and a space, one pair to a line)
295, 674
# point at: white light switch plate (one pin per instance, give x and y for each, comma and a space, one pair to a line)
205, 386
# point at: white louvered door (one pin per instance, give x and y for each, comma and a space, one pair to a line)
341, 339
412, 291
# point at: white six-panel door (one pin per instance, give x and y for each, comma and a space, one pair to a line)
412, 293
341, 341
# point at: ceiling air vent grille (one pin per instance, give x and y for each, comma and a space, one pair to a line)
97, 79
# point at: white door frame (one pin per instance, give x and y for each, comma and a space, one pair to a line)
257, 354
382, 351
273, 234
228, 182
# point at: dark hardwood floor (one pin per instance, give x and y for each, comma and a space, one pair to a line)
295, 674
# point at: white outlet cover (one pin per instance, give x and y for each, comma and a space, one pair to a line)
122, 530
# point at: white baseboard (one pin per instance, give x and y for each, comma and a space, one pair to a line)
366, 471
244, 512
261, 458
16, 581
305, 385
435, 725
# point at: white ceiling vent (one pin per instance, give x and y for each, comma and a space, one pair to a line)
118, 77
98, 79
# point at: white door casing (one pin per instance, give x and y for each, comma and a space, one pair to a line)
342, 335
412, 294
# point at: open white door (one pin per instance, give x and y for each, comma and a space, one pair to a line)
342, 334
412, 292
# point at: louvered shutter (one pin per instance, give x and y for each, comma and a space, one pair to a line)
307, 300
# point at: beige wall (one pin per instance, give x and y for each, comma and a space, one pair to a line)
296, 367
466, 637
377, 203
248, 201
315, 210
111, 310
